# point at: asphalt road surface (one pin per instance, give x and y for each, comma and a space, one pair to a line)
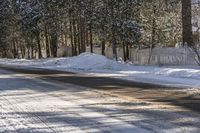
46, 101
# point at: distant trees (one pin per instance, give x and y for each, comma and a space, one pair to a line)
5, 17
161, 22
37, 28
116, 22
43, 25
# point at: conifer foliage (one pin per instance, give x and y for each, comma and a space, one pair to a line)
38, 28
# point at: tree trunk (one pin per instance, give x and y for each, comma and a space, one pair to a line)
39, 46
87, 38
71, 38
187, 23
29, 48
54, 44
15, 53
75, 37
103, 47
124, 51
114, 43
79, 36
153, 34
32, 52
127, 52
82, 32
114, 48
47, 42
91, 39
22, 51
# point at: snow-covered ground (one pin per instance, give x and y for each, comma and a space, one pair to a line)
32, 105
97, 65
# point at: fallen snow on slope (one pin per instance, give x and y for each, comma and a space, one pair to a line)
98, 65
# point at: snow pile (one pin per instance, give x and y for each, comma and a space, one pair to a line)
99, 65
85, 61
88, 61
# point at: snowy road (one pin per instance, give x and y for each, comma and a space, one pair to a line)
31, 103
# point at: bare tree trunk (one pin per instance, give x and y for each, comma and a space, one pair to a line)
127, 52
54, 44
32, 52
82, 32
22, 51
39, 46
114, 48
47, 42
103, 47
114, 43
152, 45
75, 37
29, 48
15, 53
72, 38
91, 39
79, 36
17, 47
87, 37
124, 51
187, 22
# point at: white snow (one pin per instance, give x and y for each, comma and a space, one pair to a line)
98, 65
31, 105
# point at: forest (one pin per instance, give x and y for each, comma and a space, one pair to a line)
37, 28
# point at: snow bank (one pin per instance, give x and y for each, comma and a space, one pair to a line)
85, 61
100, 65
88, 61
